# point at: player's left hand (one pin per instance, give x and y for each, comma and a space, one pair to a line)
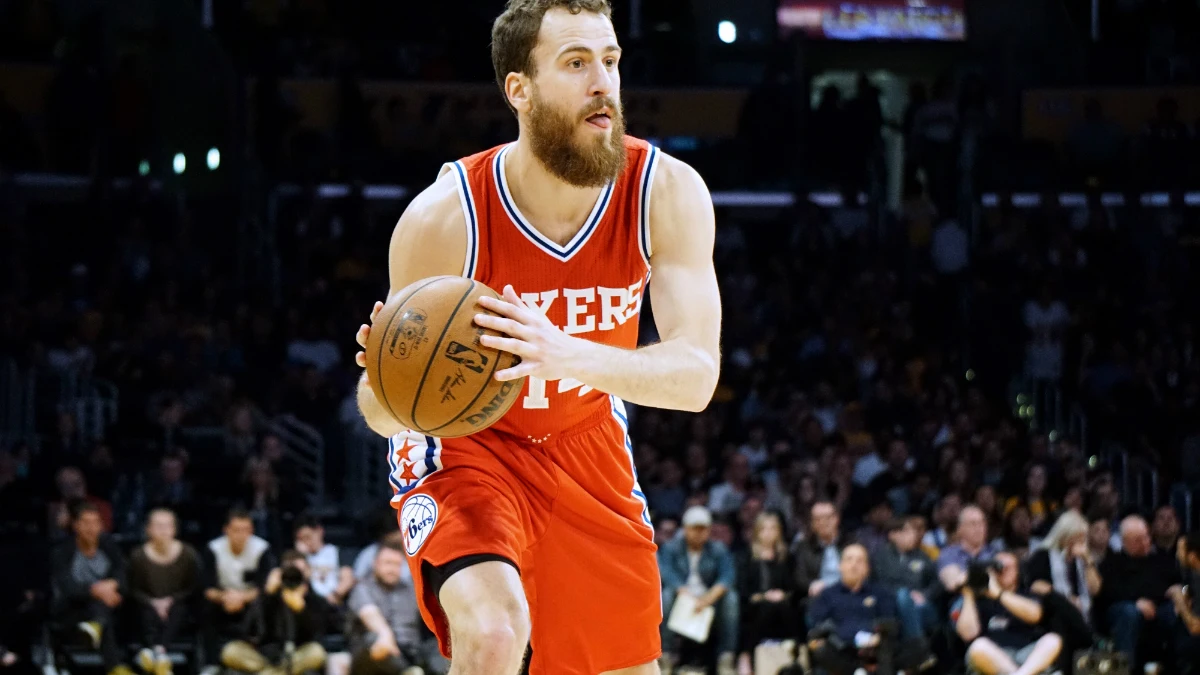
545, 351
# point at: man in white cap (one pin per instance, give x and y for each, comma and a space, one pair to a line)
704, 569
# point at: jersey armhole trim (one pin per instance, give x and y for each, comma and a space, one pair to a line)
467, 200
647, 182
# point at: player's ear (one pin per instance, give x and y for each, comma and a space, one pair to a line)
519, 90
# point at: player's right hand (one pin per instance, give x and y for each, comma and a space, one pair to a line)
364, 331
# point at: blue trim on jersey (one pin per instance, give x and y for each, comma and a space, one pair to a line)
392, 465
530, 232
637, 493
472, 221
430, 452
644, 213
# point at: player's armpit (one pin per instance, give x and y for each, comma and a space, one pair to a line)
431, 237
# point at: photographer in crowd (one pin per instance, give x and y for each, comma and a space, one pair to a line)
285, 627
854, 623
1001, 626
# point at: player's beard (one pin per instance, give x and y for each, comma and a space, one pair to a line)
552, 138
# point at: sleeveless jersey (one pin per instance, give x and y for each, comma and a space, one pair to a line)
591, 287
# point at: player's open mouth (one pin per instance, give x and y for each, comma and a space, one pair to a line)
600, 121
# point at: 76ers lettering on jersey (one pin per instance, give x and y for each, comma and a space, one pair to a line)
591, 287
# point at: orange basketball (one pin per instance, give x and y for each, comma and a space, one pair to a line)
425, 363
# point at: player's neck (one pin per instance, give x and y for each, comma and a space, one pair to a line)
554, 207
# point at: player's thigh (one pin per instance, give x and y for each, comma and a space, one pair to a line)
486, 597
650, 668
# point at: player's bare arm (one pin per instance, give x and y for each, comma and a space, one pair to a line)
429, 240
680, 372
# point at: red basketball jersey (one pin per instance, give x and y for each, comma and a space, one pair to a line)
591, 287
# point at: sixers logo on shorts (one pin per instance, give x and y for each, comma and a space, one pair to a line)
417, 518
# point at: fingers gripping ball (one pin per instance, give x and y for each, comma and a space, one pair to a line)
426, 365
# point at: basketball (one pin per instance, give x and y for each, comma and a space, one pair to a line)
426, 365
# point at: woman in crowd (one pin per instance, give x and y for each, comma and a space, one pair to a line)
1064, 564
164, 574
1034, 497
766, 588
1017, 535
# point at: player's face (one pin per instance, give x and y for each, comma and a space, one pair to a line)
575, 123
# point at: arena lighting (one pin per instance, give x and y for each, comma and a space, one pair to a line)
727, 32
144, 168
214, 159
179, 164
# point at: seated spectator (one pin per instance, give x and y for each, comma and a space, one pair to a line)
1033, 497
854, 623
818, 555
384, 631
1139, 600
945, 521
1017, 535
164, 574
873, 535
237, 567
910, 575
73, 487
1164, 531
1001, 626
286, 627
972, 547
767, 586
364, 562
695, 565
88, 580
330, 579
1064, 565
1188, 650
1099, 535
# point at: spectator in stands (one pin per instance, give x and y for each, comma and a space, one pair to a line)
287, 629
385, 628
854, 622
1099, 534
696, 565
1164, 531
88, 577
1184, 599
237, 566
818, 556
1063, 564
72, 486
1017, 533
1001, 626
668, 495
873, 535
329, 578
767, 586
945, 521
726, 497
364, 562
1139, 599
164, 575
972, 547
169, 487
907, 572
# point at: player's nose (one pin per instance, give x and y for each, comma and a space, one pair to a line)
603, 82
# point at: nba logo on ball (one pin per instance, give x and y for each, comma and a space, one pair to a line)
417, 519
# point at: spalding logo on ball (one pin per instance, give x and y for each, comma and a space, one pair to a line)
426, 365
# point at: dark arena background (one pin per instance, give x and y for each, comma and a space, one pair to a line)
958, 248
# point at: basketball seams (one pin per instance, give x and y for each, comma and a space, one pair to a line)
481, 390
379, 356
437, 347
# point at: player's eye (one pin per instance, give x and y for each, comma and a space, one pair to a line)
577, 63
611, 63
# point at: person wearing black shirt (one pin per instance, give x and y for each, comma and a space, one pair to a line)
1136, 596
287, 625
1184, 598
854, 622
1001, 626
903, 567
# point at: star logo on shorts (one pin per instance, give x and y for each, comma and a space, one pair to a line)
406, 467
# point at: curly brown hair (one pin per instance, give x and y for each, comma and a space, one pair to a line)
515, 32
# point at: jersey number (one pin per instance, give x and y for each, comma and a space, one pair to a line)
537, 399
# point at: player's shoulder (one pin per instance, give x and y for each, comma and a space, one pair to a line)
436, 209
430, 238
675, 179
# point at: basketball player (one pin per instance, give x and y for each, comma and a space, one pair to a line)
535, 531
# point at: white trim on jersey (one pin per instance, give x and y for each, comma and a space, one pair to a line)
467, 200
413, 453
563, 253
645, 184
618, 412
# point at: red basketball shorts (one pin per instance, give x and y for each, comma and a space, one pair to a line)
567, 513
